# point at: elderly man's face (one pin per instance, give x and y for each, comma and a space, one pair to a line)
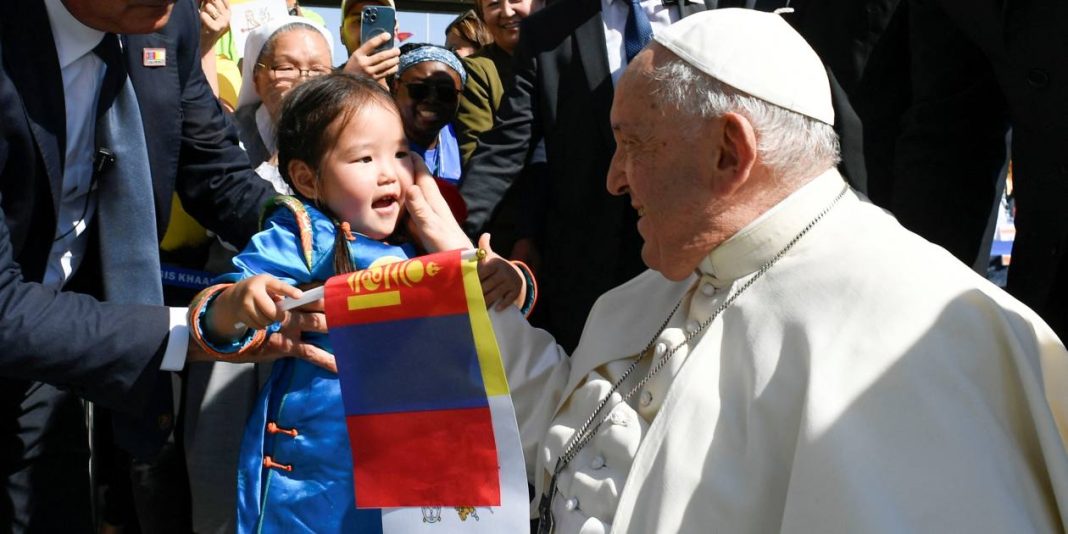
661, 162
122, 16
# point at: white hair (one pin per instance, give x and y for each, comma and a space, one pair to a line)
791, 145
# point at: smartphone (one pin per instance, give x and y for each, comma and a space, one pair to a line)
375, 20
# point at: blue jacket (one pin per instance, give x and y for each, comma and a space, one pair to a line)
299, 420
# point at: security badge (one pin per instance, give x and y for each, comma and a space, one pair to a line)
154, 57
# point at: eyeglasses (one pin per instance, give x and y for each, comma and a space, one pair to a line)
439, 91
291, 72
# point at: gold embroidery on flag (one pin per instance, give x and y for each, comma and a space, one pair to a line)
391, 276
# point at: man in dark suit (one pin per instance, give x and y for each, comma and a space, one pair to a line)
977, 69
864, 45
563, 93
52, 327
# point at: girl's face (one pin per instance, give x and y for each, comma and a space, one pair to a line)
364, 176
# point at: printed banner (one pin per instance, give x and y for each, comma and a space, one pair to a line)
247, 15
432, 428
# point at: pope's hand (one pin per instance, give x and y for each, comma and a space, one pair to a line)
430, 220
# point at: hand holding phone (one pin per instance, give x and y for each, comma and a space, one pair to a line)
376, 20
375, 57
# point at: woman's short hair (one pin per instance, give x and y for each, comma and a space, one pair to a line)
469, 25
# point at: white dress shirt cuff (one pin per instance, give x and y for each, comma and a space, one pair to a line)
177, 342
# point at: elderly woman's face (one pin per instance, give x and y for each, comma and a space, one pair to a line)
296, 54
502, 17
427, 95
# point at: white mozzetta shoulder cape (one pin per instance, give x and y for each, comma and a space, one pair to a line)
869, 382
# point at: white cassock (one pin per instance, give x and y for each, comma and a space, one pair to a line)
869, 382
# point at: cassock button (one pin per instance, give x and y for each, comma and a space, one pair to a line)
692, 326
598, 462
660, 349
647, 398
708, 290
571, 504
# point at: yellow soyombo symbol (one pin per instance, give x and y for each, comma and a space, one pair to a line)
382, 282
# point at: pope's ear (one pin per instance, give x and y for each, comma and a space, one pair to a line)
737, 150
303, 178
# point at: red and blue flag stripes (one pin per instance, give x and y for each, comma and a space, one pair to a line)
416, 373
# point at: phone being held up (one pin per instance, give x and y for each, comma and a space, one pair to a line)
376, 20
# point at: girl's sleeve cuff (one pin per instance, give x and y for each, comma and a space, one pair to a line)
250, 341
531, 285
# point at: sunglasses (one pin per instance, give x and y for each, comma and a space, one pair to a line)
442, 92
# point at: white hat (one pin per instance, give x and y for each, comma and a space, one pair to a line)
757, 53
254, 45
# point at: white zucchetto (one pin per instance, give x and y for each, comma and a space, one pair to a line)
757, 53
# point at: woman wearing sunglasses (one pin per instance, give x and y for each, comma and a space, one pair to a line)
427, 90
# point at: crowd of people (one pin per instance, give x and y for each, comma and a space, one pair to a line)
731, 252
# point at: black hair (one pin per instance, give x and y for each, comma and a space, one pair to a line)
313, 115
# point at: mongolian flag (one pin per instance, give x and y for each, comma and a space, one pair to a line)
430, 421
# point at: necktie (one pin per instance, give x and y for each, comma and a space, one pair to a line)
126, 223
637, 32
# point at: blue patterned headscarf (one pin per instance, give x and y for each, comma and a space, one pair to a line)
431, 53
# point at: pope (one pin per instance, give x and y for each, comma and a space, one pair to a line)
794, 360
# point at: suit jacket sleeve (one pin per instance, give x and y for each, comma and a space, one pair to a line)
503, 151
952, 146
214, 181
106, 353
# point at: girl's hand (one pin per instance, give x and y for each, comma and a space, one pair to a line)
430, 220
252, 301
503, 284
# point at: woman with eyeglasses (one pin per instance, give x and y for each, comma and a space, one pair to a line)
278, 56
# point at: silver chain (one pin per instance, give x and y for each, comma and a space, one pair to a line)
581, 438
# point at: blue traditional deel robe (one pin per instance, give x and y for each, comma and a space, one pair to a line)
317, 494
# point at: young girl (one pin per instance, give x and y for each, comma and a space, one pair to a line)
342, 149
